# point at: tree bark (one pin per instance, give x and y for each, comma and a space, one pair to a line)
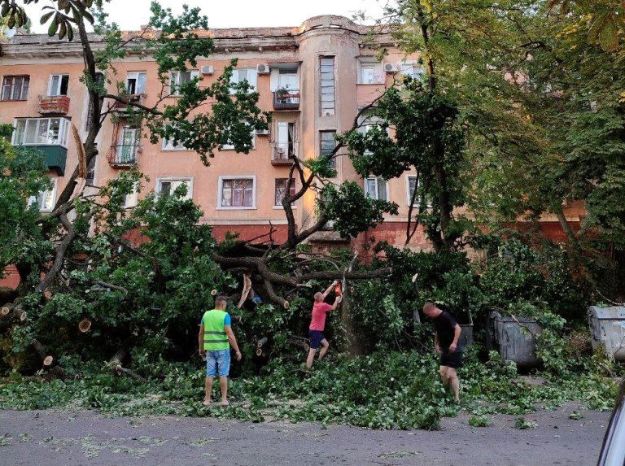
116, 365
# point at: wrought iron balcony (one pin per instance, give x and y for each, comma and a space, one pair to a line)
286, 99
124, 155
122, 108
57, 105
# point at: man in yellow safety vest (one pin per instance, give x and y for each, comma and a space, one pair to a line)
215, 339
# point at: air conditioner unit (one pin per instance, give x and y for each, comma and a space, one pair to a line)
262, 132
263, 69
208, 69
391, 68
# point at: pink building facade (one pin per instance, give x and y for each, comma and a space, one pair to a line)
314, 79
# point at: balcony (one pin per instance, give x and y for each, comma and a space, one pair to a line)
57, 105
124, 155
286, 99
54, 157
283, 153
122, 108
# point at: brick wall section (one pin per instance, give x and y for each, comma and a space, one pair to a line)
10, 278
248, 232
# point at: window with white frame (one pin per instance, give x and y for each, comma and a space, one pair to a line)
327, 86
135, 82
15, 88
237, 192
40, 131
229, 146
167, 186
285, 145
412, 70
44, 201
131, 200
413, 183
128, 144
280, 190
376, 188
173, 145
59, 85
371, 73
244, 74
179, 78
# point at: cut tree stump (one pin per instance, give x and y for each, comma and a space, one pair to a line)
10, 315
84, 325
48, 361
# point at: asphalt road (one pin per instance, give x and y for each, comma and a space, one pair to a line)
70, 438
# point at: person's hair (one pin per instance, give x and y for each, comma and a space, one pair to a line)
428, 306
318, 296
221, 299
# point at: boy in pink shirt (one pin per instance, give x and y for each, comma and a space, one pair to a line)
318, 324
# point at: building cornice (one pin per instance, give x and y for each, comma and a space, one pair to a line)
33, 46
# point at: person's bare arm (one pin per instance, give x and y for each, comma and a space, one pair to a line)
330, 288
233, 341
337, 301
200, 340
454, 344
437, 346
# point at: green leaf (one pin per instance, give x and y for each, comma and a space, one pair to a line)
46, 17
54, 27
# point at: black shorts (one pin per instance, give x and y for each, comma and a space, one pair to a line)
315, 338
453, 360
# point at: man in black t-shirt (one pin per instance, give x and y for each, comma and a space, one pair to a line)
446, 343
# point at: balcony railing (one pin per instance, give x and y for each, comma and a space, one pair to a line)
286, 99
123, 107
58, 105
283, 153
124, 155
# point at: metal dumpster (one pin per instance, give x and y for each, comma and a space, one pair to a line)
607, 328
466, 337
515, 338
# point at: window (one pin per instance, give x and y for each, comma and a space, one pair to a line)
376, 188
45, 199
231, 146
135, 82
280, 190
371, 73
91, 171
171, 145
128, 145
287, 79
167, 186
179, 78
59, 84
41, 132
285, 143
327, 143
237, 193
131, 200
15, 88
412, 185
327, 86
243, 74
412, 70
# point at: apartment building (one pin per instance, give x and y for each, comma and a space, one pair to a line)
313, 79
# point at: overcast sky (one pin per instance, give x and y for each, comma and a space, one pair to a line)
131, 14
